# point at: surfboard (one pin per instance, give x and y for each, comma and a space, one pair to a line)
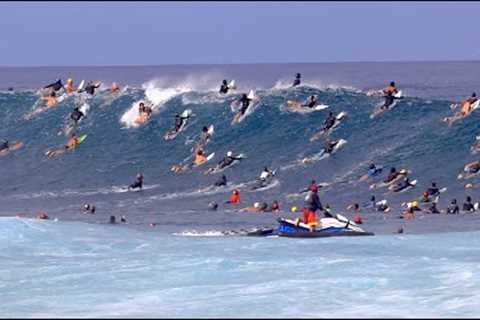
15, 146
240, 117
231, 85
81, 85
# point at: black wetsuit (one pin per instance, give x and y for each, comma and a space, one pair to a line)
389, 98
4, 145
76, 115
90, 89
137, 184
223, 88
245, 103
402, 185
433, 191
329, 122
312, 202
221, 182
329, 146
310, 103
453, 209
433, 208
178, 123
55, 86
391, 177
227, 161
296, 82
468, 206
474, 168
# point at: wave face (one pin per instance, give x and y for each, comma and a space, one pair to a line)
73, 269
411, 136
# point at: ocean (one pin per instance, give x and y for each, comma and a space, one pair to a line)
190, 263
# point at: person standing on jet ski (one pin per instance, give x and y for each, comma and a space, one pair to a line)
311, 205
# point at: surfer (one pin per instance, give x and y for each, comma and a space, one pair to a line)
4, 145
88, 208
389, 92
114, 88
311, 102
467, 104
297, 81
329, 146
266, 173
453, 207
329, 121
138, 183
69, 88
221, 182
373, 170
51, 99
200, 157
57, 85
433, 190
468, 205
224, 87
179, 121
90, 88
472, 167
204, 138
394, 174
76, 115
256, 207
245, 102
403, 185
72, 142
228, 160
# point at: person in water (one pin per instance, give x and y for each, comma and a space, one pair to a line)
472, 167
274, 207
256, 207
4, 145
329, 121
114, 88
90, 88
266, 173
138, 182
179, 121
234, 197
88, 208
72, 142
76, 115
228, 160
213, 206
311, 102
433, 190
57, 85
69, 88
245, 102
221, 182
468, 205
200, 157
205, 137
389, 92
373, 170
394, 174
467, 104
453, 207
51, 99
329, 146
403, 185
224, 87
433, 208
297, 80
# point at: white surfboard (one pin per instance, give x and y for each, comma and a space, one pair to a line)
81, 85
231, 85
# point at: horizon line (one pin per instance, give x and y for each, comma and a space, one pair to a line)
229, 64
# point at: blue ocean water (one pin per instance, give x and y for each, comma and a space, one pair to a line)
185, 265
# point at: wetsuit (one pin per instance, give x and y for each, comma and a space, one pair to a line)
310, 103
223, 88
55, 86
245, 101
227, 161
468, 206
4, 145
221, 182
76, 115
473, 168
433, 191
90, 89
329, 122
402, 185
453, 209
178, 122
329, 146
391, 177
374, 171
389, 98
137, 184
296, 82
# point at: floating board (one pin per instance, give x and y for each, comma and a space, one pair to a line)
81, 85
15, 146
231, 85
